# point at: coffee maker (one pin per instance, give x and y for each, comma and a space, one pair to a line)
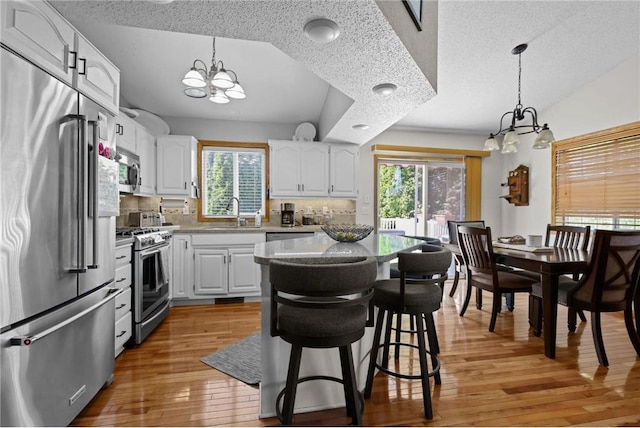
287, 214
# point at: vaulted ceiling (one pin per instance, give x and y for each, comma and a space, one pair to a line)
290, 79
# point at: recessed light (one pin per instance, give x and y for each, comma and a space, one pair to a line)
360, 126
384, 88
322, 30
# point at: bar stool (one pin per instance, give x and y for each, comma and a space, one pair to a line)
321, 303
419, 298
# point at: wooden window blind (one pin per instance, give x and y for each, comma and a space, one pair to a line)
596, 179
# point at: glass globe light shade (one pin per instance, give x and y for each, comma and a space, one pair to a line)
219, 97
236, 92
222, 80
195, 92
510, 137
509, 148
194, 79
491, 144
544, 139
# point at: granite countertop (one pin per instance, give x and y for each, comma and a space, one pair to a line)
246, 229
383, 247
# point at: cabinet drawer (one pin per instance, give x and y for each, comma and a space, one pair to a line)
123, 304
123, 276
122, 331
123, 255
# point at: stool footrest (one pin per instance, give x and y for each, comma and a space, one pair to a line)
306, 379
383, 369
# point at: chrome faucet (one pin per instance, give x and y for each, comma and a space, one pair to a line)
239, 221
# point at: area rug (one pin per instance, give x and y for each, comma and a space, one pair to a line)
240, 360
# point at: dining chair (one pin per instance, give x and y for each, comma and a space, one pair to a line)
418, 293
483, 273
321, 303
452, 225
609, 285
570, 237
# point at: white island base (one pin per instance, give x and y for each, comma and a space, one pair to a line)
317, 394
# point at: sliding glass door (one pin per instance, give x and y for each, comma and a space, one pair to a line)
418, 197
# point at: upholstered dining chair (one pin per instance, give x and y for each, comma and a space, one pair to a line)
609, 285
483, 273
321, 303
570, 237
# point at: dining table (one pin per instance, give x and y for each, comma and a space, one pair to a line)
549, 263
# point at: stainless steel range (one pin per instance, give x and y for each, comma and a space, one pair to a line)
151, 258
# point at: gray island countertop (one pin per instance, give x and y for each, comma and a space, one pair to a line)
381, 246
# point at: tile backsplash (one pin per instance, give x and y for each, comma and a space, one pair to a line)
342, 210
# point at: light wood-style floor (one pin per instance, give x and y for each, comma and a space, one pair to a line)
488, 379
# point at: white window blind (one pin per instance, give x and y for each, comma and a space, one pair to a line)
597, 179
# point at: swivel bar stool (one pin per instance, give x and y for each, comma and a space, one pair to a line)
321, 303
419, 298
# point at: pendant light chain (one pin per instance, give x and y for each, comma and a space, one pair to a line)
213, 57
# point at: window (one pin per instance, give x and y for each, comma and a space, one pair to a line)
229, 170
596, 179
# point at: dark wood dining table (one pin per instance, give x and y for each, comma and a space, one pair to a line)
550, 265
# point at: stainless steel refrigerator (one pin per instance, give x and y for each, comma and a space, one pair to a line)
59, 199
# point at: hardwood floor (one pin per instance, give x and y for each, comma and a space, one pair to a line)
488, 379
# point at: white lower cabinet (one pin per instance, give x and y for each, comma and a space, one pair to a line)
208, 265
123, 317
181, 285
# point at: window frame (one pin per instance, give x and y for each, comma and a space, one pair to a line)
235, 146
589, 142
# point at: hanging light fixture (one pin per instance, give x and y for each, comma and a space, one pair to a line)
514, 129
217, 79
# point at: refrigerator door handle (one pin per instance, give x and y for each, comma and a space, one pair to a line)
93, 190
29, 340
80, 266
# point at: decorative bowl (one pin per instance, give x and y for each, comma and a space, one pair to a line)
347, 232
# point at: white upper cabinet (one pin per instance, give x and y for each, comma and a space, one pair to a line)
298, 169
126, 133
305, 169
344, 161
177, 173
96, 76
146, 150
38, 32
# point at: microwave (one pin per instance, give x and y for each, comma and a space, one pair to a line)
128, 171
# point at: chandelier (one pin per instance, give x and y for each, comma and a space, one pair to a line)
221, 86
512, 129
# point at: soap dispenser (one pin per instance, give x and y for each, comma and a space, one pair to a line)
258, 219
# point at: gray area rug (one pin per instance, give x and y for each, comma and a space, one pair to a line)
240, 360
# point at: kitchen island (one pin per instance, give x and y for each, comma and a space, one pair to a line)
316, 395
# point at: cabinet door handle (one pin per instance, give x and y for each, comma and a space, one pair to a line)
121, 257
185, 185
122, 333
332, 187
121, 279
185, 245
121, 305
224, 260
84, 68
303, 187
74, 58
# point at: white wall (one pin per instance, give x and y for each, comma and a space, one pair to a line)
491, 170
611, 100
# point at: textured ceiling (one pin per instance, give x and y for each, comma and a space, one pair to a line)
368, 51
287, 76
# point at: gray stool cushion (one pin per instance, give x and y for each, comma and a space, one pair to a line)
418, 298
322, 322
